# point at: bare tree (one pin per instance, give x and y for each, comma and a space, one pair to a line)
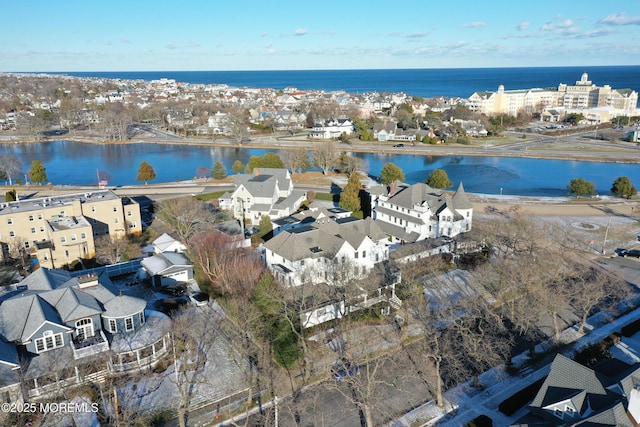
187, 215
236, 124
297, 159
325, 155
110, 249
231, 270
10, 166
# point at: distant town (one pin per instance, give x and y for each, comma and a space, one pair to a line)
254, 298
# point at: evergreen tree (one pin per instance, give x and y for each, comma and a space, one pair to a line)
218, 171
145, 173
622, 187
581, 187
390, 173
238, 166
350, 196
38, 172
438, 179
264, 226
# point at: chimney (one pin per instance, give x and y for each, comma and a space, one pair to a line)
256, 172
392, 187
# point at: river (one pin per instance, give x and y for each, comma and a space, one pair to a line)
76, 163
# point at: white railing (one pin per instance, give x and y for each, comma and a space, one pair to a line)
91, 350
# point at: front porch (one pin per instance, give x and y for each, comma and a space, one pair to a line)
89, 346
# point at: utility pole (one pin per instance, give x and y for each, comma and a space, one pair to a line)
606, 232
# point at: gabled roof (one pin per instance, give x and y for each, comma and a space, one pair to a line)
164, 242
566, 380
160, 263
22, 316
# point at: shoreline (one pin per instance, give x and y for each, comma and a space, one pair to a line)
287, 143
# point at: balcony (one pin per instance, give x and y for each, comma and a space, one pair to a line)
90, 346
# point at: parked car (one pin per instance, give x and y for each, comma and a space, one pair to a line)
199, 298
175, 290
398, 146
632, 253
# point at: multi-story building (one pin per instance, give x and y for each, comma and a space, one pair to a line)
332, 129
59, 330
584, 95
57, 230
409, 213
266, 191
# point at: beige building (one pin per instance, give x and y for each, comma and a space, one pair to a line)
584, 95
60, 229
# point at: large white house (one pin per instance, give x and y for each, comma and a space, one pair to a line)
409, 213
264, 192
314, 253
331, 129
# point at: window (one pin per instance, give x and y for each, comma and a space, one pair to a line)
26, 245
115, 209
128, 323
83, 236
364, 254
132, 224
74, 238
30, 217
12, 233
63, 239
116, 220
355, 255
301, 262
41, 229
129, 213
63, 213
113, 325
33, 230
9, 221
48, 341
93, 208
141, 317
39, 216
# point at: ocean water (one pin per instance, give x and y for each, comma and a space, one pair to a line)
451, 82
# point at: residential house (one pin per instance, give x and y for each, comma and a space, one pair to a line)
264, 192
331, 253
332, 129
164, 243
57, 230
308, 217
389, 131
409, 213
574, 395
167, 269
58, 324
309, 253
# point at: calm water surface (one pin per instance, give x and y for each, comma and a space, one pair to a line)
75, 163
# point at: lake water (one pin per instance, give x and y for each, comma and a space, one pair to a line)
75, 163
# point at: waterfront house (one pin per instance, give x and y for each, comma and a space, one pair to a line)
332, 129
266, 191
410, 213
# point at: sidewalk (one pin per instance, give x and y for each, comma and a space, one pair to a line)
464, 403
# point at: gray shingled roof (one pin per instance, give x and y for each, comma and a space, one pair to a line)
124, 306
162, 262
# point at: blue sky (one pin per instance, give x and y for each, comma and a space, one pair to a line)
159, 35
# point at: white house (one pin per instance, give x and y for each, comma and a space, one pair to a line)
164, 243
167, 269
332, 129
409, 213
265, 192
314, 253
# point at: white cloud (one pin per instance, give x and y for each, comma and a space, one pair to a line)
550, 26
475, 24
300, 32
416, 35
523, 26
620, 19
